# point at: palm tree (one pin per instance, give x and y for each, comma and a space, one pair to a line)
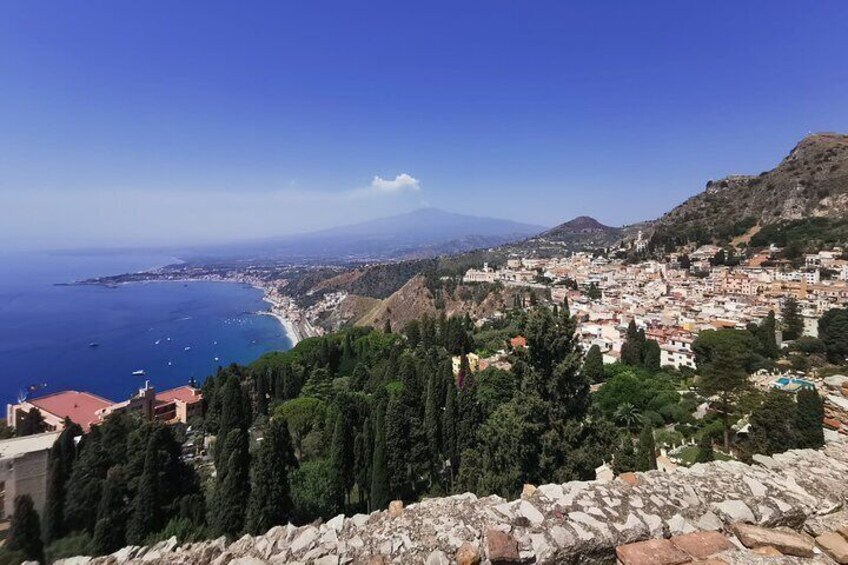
628, 416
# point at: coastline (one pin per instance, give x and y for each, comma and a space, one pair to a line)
283, 308
292, 332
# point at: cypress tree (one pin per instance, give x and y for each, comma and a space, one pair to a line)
338, 459
808, 419
380, 496
60, 464
261, 383
593, 365
431, 419
766, 333
362, 445
25, 530
793, 323
146, 513
235, 414
646, 455
270, 496
449, 439
773, 424
110, 529
233, 485
632, 349
85, 483
397, 446
387, 326
705, 450
625, 458
651, 356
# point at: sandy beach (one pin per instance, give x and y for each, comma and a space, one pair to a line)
288, 314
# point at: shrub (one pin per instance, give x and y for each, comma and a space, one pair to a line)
76, 543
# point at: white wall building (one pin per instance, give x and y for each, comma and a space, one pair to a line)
23, 470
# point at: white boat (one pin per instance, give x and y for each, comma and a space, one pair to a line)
187, 348
139, 373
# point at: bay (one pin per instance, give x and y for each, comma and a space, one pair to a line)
173, 331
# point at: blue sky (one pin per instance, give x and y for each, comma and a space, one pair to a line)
159, 122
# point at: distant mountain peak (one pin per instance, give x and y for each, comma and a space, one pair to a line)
579, 225
585, 223
421, 232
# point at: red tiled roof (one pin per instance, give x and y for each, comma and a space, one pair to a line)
80, 407
183, 393
518, 341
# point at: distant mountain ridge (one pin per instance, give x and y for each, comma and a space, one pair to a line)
425, 232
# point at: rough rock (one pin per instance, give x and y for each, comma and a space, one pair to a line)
767, 550
501, 547
467, 554
528, 490
437, 557
579, 521
835, 546
651, 552
395, 508
701, 545
788, 543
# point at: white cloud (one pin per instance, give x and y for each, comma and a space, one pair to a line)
401, 183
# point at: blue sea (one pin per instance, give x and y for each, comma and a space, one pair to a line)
173, 331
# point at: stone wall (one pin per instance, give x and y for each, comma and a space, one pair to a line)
577, 522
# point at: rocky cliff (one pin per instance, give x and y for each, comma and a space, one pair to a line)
810, 182
576, 522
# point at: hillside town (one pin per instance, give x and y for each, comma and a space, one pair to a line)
673, 300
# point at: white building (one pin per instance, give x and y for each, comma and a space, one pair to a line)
23, 470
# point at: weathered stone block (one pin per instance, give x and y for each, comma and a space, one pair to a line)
501, 547
788, 543
651, 552
835, 546
701, 545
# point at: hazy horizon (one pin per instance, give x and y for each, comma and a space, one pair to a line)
160, 124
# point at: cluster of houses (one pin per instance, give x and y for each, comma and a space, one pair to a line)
673, 302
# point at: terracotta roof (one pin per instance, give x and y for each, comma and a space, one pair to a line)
518, 341
183, 393
80, 407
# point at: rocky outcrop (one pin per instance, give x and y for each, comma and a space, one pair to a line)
575, 522
811, 182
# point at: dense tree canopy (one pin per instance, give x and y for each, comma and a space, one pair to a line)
833, 331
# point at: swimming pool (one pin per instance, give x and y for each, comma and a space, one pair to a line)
791, 384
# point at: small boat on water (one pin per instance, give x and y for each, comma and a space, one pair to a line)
139, 373
157, 342
187, 348
216, 359
93, 344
